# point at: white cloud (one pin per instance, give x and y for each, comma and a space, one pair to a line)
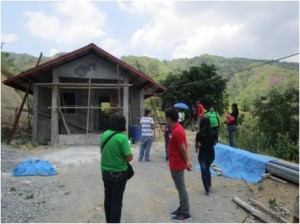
43, 26
9, 38
53, 51
113, 46
230, 29
73, 22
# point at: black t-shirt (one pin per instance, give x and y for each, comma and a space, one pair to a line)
235, 113
207, 142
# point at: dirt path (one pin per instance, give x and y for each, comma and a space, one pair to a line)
76, 193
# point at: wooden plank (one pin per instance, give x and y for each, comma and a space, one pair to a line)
252, 210
278, 179
217, 170
266, 175
268, 211
88, 109
82, 87
64, 121
84, 107
84, 84
62, 115
14, 128
39, 60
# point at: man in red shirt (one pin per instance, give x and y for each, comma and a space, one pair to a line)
201, 111
179, 160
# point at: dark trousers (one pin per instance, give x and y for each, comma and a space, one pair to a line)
114, 191
178, 178
167, 136
216, 130
205, 173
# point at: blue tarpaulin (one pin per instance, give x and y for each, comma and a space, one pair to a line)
34, 168
240, 164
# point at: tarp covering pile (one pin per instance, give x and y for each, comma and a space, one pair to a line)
34, 168
240, 164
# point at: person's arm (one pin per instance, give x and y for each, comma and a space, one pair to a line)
226, 112
152, 124
185, 155
129, 157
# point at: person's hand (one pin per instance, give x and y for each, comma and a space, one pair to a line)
190, 166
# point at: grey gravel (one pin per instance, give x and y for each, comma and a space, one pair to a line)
76, 194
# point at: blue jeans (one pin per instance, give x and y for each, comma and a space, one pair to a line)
178, 178
205, 173
231, 129
145, 147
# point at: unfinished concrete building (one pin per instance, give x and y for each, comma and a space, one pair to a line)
74, 95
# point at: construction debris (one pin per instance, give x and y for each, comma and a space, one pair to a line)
252, 210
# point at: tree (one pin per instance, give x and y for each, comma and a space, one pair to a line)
199, 83
7, 64
278, 122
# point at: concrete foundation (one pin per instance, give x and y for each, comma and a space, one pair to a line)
79, 139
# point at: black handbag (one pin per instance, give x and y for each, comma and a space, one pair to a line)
130, 171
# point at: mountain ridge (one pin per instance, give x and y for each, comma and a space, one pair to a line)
248, 79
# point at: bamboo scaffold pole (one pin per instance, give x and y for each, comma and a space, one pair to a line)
88, 109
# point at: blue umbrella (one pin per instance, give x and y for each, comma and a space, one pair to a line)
181, 106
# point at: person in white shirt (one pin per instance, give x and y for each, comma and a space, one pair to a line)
147, 124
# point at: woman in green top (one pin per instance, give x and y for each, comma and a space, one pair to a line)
214, 118
115, 153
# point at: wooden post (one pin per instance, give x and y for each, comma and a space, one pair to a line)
126, 102
278, 179
268, 211
13, 131
54, 110
62, 116
88, 109
154, 108
119, 90
252, 210
266, 175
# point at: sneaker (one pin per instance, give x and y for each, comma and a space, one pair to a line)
181, 217
175, 213
206, 193
147, 160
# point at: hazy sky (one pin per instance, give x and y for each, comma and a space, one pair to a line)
160, 29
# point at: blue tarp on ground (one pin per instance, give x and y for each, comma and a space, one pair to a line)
212, 172
34, 168
240, 164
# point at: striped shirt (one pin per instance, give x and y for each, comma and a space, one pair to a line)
147, 123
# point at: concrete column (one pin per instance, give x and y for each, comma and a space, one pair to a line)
54, 112
35, 113
126, 102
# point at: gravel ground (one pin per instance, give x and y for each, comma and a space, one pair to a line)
75, 194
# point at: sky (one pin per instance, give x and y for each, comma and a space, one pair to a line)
165, 30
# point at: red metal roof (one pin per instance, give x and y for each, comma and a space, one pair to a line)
42, 72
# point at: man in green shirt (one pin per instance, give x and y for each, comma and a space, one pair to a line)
214, 117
